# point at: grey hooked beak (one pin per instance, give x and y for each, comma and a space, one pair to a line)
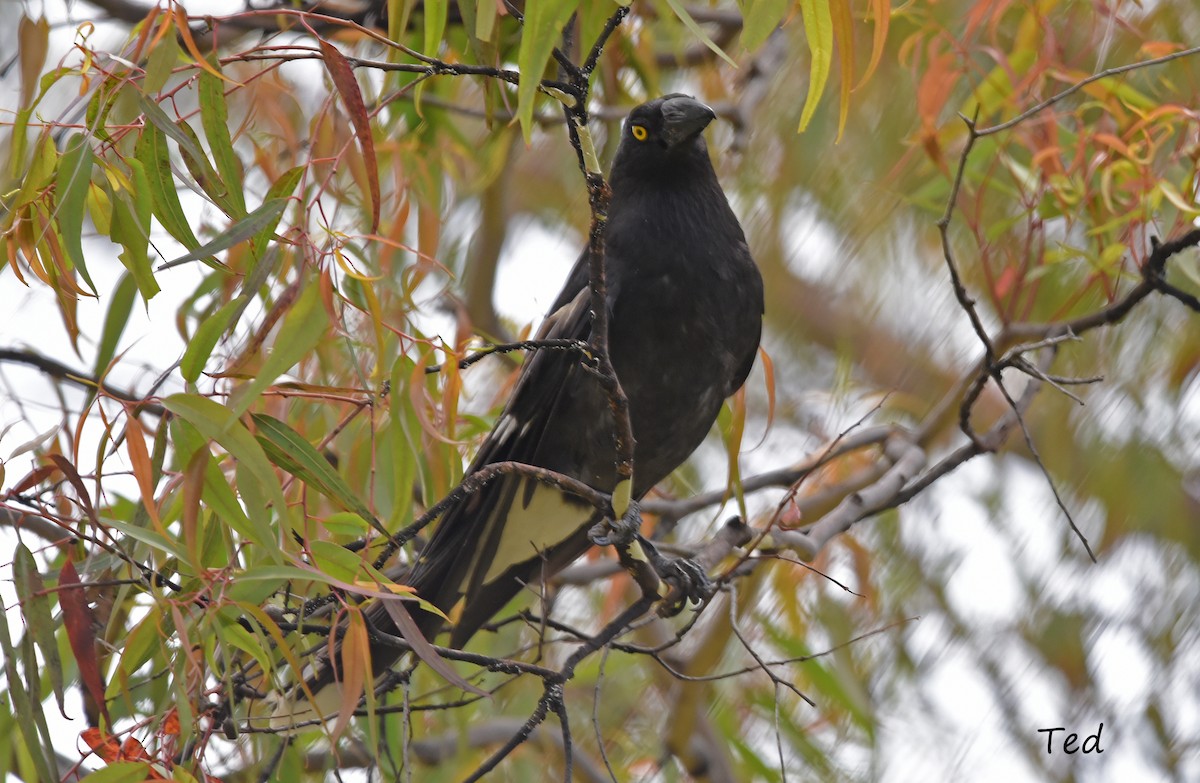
683, 118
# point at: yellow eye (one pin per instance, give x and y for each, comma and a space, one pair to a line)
639, 132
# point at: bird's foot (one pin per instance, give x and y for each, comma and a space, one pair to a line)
618, 532
687, 579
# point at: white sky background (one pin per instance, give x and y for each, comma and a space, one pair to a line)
947, 728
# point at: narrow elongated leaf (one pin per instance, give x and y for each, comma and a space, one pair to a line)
303, 327
155, 156
200, 347
163, 59
25, 705
818, 29
70, 188
882, 11
161, 120
143, 470
218, 495
485, 20
759, 20
201, 168
347, 87
149, 537
214, 118
291, 451
544, 21
33, 43
80, 622
131, 229
265, 216
355, 666
119, 308
36, 609
844, 35
281, 188
185, 34
218, 423
140, 645
678, 9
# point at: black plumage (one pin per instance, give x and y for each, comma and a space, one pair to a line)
685, 303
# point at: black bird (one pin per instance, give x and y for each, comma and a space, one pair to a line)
685, 304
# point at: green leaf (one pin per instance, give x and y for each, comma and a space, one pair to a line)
281, 188
544, 21
759, 20
114, 322
131, 229
345, 523
188, 144
162, 61
214, 118
140, 646
265, 217
485, 19
291, 451
149, 537
70, 188
36, 609
122, 772
205, 175
336, 561
435, 25
26, 705
200, 347
818, 29
216, 422
235, 635
154, 154
303, 327
691, 24
218, 495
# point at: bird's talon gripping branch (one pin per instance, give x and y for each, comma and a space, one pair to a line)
686, 578
618, 532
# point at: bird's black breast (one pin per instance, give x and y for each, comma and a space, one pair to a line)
685, 315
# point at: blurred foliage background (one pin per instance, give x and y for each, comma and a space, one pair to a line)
261, 228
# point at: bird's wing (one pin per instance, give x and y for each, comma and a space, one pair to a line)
499, 538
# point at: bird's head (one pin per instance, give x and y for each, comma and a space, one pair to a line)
662, 128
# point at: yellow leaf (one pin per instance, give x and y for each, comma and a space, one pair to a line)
818, 29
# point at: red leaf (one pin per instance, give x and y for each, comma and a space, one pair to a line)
76, 482
347, 87
80, 624
35, 477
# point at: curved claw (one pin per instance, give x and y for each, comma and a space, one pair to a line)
687, 577
618, 532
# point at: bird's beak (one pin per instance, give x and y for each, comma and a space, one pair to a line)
683, 118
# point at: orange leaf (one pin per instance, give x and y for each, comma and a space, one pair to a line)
882, 11
105, 747
185, 32
132, 750
935, 87
170, 724
843, 26
356, 662
193, 487
143, 470
769, 383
